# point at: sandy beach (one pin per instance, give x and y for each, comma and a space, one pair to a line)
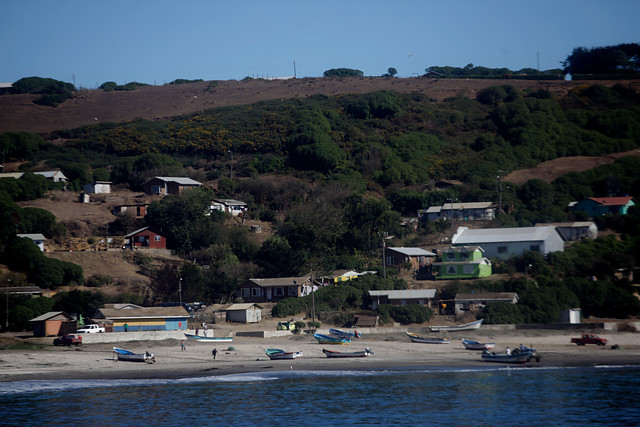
247, 354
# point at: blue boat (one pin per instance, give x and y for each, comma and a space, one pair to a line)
130, 356
326, 339
342, 334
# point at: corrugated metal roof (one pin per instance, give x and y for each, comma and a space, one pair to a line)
611, 201
466, 205
144, 312
413, 251
33, 236
280, 281
179, 180
241, 307
50, 315
487, 296
457, 249
405, 293
477, 236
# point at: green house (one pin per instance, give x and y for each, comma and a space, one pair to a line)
462, 262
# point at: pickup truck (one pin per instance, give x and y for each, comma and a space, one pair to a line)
589, 339
68, 340
90, 329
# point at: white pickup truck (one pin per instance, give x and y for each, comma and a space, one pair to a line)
90, 329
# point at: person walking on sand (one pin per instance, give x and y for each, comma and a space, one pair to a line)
182, 345
214, 352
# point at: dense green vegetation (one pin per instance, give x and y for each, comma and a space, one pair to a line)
334, 175
54, 92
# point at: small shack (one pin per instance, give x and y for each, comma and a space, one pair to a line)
53, 323
244, 313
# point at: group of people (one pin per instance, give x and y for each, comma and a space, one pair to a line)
204, 330
521, 348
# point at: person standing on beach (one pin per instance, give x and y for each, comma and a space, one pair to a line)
214, 352
508, 351
197, 331
182, 345
204, 327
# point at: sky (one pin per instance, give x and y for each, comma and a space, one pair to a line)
89, 42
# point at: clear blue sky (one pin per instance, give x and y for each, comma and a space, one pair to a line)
157, 41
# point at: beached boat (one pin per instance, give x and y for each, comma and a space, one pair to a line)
343, 334
466, 327
335, 354
130, 356
475, 345
198, 338
277, 354
326, 339
426, 340
515, 357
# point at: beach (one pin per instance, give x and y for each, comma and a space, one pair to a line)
247, 354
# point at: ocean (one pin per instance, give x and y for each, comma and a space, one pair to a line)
502, 395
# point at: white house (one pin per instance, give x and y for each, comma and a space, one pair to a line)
230, 206
98, 187
37, 238
504, 243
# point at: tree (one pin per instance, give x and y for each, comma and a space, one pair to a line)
391, 72
343, 72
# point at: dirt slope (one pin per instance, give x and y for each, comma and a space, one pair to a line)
19, 113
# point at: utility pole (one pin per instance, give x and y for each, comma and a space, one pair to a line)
313, 299
180, 289
294, 69
499, 189
451, 203
384, 236
6, 321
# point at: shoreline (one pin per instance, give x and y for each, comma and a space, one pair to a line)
392, 352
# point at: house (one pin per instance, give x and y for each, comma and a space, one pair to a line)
503, 243
98, 187
274, 289
479, 300
466, 211
33, 291
462, 262
137, 210
53, 176
146, 237
163, 185
37, 238
244, 313
571, 231
53, 323
131, 317
402, 297
596, 206
339, 276
230, 206
417, 257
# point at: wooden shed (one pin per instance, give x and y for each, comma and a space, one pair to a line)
53, 323
244, 313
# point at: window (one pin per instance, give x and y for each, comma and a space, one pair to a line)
534, 248
502, 249
156, 189
157, 238
256, 292
468, 269
292, 291
464, 256
279, 292
452, 269
244, 292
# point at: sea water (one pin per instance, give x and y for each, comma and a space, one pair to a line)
435, 396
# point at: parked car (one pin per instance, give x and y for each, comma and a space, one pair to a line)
90, 329
68, 340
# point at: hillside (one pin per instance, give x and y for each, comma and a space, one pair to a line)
19, 113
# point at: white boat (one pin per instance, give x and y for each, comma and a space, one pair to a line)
198, 338
426, 340
277, 354
515, 357
466, 327
475, 345
129, 356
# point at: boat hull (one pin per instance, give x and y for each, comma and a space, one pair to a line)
466, 327
128, 356
474, 345
426, 340
277, 354
326, 339
198, 338
342, 334
338, 354
519, 358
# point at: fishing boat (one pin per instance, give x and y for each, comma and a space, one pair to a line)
335, 354
343, 334
466, 327
326, 339
277, 354
130, 356
426, 340
475, 345
515, 357
198, 338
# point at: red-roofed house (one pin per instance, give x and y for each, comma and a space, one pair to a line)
596, 206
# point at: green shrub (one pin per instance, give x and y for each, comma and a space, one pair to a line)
405, 314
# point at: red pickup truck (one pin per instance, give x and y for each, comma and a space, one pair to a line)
68, 340
589, 339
